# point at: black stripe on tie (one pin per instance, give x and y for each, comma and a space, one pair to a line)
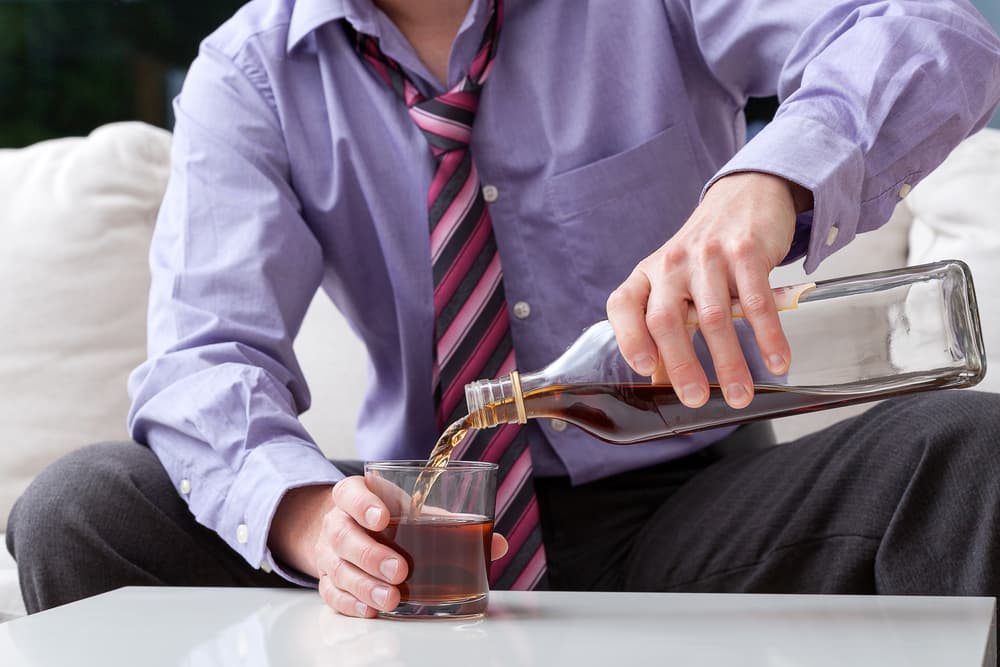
457, 114
463, 231
466, 286
443, 143
450, 190
450, 371
476, 331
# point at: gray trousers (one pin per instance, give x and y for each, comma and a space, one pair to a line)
904, 499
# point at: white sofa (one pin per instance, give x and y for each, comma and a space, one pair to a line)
77, 215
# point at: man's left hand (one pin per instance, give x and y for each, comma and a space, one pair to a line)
741, 230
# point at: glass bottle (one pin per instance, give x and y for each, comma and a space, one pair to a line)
853, 339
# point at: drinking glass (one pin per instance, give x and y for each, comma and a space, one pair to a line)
445, 539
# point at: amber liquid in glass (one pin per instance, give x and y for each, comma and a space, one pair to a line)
447, 556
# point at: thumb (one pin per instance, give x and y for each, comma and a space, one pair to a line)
499, 547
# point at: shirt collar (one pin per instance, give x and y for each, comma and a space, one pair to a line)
308, 15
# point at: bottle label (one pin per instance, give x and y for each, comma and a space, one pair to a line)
785, 298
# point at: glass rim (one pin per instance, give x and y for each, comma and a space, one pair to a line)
411, 464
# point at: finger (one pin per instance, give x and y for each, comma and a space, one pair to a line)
757, 301
666, 316
348, 605
353, 496
627, 315
353, 543
713, 304
372, 592
499, 547
341, 601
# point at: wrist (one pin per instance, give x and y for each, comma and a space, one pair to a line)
296, 526
802, 197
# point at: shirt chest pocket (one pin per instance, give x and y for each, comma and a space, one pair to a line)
610, 214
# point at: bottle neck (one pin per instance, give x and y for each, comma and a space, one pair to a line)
494, 402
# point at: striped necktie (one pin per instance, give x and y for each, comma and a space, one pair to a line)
472, 330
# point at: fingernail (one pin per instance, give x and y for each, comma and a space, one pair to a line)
645, 364
777, 363
380, 595
361, 608
693, 394
389, 567
735, 393
372, 516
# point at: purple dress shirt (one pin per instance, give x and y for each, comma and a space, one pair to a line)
295, 168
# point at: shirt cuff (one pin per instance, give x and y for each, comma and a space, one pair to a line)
812, 155
268, 473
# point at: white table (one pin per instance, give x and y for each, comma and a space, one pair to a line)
286, 628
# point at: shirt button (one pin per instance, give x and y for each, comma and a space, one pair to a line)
242, 533
265, 567
522, 309
904, 190
490, 193
185, 486
557, 425
831, 236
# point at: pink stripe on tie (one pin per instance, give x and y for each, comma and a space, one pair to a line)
531, 573
512, 483
473, 366
476, 68
526, 523
455, 213
461, 98
440, 126
412, 95
446, 169
502, 438
463, 261
481, 293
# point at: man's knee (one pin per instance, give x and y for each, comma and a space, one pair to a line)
75, 496
935, 432
960, 419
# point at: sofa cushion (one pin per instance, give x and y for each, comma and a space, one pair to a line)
76, 216
956, 215
11, 604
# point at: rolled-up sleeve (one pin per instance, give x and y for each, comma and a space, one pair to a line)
874, 95
234, 267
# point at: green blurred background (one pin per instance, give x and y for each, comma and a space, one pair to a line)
68, 66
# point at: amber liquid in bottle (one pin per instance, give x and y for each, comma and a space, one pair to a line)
630, 413
623, 414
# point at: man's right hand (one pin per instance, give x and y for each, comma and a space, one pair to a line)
320, 531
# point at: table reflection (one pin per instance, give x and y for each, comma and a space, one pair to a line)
303, 631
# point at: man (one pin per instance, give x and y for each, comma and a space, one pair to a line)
314, 142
